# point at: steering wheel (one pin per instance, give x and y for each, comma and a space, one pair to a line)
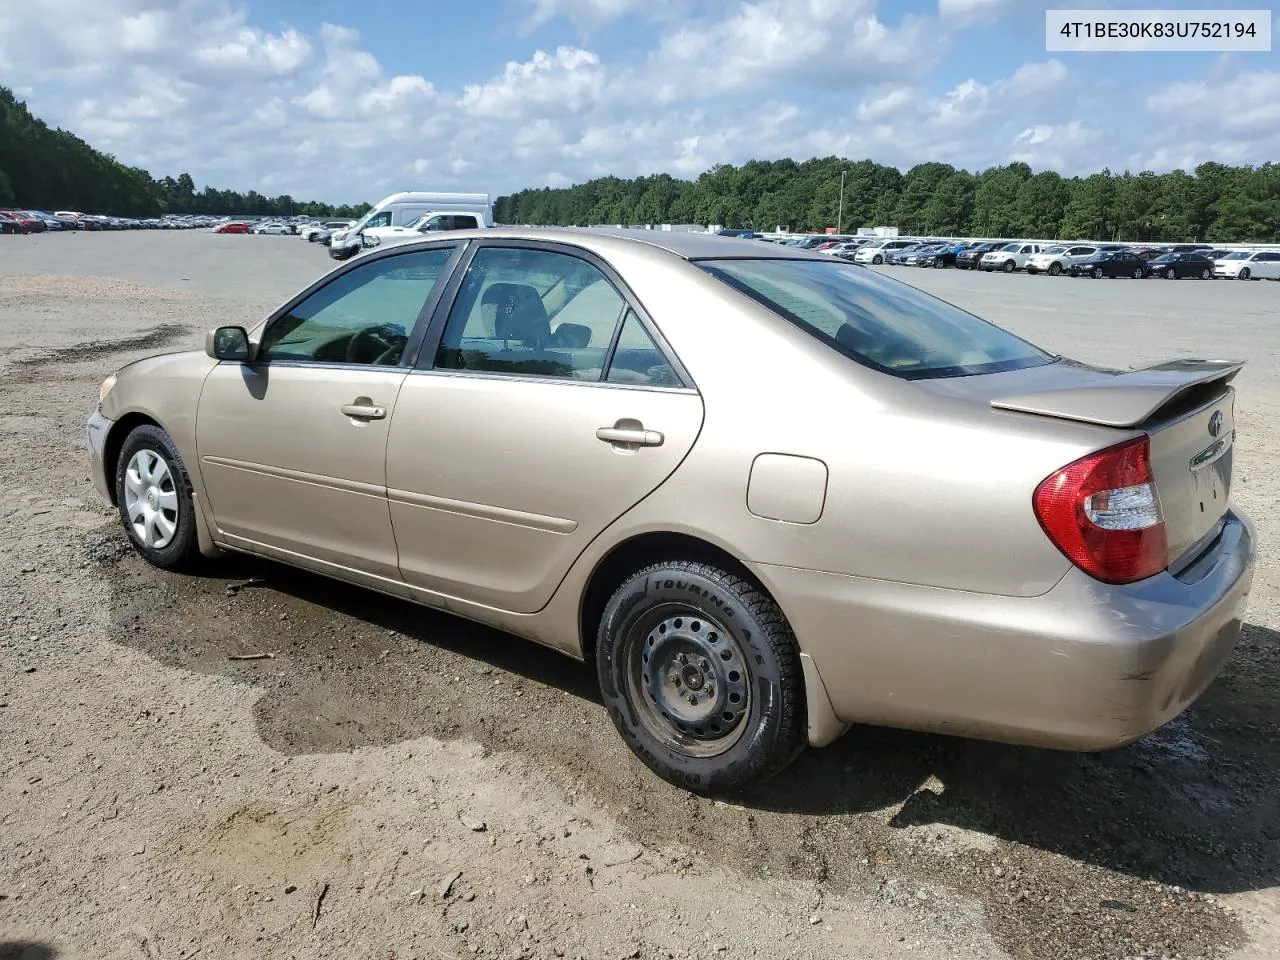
376, 345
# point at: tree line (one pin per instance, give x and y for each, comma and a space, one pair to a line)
1213, 202
50, 169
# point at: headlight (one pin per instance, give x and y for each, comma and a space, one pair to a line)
103, 390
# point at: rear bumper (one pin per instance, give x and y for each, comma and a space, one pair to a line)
1085, 666
97, 429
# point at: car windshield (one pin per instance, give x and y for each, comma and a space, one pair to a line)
1238, 255
881, 323
1103, 255
1011, 246
1053, 249
1167, 258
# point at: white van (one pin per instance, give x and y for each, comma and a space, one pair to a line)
428, 212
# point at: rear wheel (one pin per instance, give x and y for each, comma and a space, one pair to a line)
1137, 273
153, 494
1206, 274
701, 675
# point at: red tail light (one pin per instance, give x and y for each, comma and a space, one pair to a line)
1103, 512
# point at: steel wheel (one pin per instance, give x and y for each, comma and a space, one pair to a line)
150, 499
688, 678
1009, 266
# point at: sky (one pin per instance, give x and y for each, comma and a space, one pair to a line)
349, 100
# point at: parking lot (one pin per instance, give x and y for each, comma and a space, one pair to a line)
396, 783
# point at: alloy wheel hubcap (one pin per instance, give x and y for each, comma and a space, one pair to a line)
150, 499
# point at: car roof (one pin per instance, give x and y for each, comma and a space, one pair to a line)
601, 240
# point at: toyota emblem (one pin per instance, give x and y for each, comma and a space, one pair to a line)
1215, 423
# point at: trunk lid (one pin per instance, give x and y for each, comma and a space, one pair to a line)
1186, 407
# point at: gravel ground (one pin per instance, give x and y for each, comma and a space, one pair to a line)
158, 800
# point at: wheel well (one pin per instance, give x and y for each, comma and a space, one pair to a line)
635, 554
115, 440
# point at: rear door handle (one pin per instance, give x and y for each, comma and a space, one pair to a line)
364, 411
635, 436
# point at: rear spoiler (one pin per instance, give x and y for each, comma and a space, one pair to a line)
1126, 398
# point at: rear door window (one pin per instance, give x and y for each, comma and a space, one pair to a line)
879, 322
529, 312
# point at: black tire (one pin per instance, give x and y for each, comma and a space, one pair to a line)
679, 609
1009, 266
1055, 269
1097, 273
1137, 273
1206, 274
1244, 273
877, 259
181, 550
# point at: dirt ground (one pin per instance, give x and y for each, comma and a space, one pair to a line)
397, 783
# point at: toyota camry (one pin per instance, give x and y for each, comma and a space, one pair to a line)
765, 493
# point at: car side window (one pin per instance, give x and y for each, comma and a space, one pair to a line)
362, 316
529, 312
638, 359
381, 220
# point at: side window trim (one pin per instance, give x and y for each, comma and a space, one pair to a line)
429, 344
420, 323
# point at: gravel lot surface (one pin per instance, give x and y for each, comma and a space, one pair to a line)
396, 783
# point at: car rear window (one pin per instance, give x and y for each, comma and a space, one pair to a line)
877, 321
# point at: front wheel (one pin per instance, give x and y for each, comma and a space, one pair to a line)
877, 259
153, 494
1097, 273
701, 675
1055, 268
1244, 273
1009, 266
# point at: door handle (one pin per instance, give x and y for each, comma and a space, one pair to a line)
634, 436
364, 411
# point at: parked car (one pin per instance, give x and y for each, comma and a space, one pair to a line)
969, 258
897, 257
943, 255
1148, 253
703, 570
10, 225
1010, 257
274, 228
1111, 263
1249, 265
875, 251
30, 224
1054, 259
312, 231
922, 256
1175, 266
235, 226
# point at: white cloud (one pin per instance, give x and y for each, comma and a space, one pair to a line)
197, 86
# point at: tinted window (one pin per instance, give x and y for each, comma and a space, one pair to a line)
884, 324
638, 359
531, 313
362, 316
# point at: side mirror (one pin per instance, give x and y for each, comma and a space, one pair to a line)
367, 241
228, 343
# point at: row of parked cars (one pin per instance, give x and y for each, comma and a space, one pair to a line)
315, 231
1199, 261
44, 221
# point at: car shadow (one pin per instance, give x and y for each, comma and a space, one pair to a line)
26, 950
1193, 805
